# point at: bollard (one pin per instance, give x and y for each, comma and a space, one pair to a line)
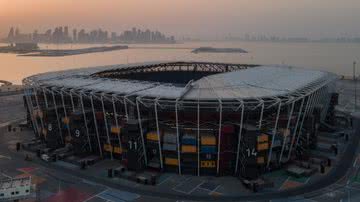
110, 172
153, 179
255, 188
83, 165
18, 145
322, 168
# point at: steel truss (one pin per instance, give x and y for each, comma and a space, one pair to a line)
309, 96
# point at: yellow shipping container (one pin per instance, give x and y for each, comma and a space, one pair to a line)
171, 161
262, 146
44, 132
207, 164
152, 136
115, 130
188, 149
263, 138
208, 140
260, 160
117, 150
108, 147
66, 120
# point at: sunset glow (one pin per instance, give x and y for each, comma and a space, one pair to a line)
200, 17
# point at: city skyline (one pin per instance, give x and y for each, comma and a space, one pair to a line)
201, 19
65, 34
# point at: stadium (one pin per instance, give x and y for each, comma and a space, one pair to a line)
194, 118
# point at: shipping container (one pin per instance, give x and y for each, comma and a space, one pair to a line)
188, 149
208, 140
170, 138
169, 147
152, 136
208, 164
171, 161
115, 130
208, 149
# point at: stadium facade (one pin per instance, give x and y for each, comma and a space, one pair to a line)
187, 117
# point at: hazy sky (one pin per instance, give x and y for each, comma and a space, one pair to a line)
210, 18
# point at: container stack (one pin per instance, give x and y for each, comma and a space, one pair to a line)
152, 148
114, 133
253, 150
132, 150
228, 149
189, 158
53, 139
208, 154
262, 149
171, 162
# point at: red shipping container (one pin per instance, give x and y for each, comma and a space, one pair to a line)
226, 129
99, 115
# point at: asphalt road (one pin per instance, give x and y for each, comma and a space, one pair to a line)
312, 187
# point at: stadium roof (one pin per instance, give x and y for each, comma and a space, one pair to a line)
251, 82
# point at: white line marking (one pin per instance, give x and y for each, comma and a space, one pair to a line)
95, 195
284, 183
353, 188
166, 179
215, 190
103, 198
208, 190
354, 165
307, 199
202, 182
181, 183
6, 175
6, 157
180, 191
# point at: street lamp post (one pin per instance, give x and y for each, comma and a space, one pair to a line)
354, 78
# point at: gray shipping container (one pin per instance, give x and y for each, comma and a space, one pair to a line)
170, 138
169, 147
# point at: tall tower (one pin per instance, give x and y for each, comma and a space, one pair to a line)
74, 35
11, 34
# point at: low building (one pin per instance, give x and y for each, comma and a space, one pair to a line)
15, 188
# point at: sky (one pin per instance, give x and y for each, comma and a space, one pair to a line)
196, 18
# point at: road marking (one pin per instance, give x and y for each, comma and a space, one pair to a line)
215, 190
166, 179
180, 191
307, 199
180, 184
202, 182
5, 175
284, 183
354, 165
6, 157
95, 195
350, 187
208, 190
